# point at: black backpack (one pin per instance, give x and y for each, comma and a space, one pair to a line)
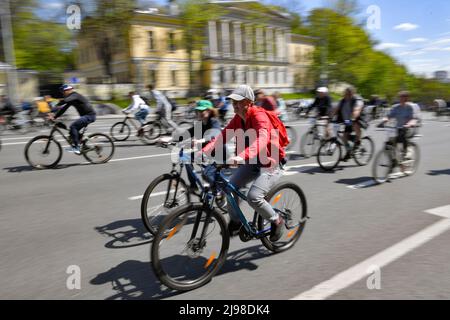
172, 103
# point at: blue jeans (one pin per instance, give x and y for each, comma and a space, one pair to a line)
141, 115
75, 128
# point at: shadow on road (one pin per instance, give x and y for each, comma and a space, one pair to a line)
19, 169
354, 181
439, 172
135, 280
125, 234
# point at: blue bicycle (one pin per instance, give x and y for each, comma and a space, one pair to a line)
192, 242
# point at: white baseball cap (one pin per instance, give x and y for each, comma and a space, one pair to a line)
242, 92
322, 90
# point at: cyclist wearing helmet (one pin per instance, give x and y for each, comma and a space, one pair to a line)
84, 108
322, 103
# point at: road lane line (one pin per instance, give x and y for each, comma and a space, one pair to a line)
141, 157
354, 274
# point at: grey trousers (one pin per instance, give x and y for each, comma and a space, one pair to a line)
264, 179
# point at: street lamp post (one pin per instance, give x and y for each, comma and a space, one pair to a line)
8, 45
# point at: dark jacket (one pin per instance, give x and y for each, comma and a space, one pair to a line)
78, 101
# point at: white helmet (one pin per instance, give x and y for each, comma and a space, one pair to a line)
322, 90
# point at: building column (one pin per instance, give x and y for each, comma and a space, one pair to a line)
249, 41
279, 45
212, 34
225, 38
287, 40
269, 43
259, 43
237, 40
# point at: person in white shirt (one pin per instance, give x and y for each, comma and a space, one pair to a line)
139, 106
163, 107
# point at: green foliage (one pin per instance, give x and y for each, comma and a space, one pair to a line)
39, 44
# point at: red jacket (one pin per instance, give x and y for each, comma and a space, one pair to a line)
264, 146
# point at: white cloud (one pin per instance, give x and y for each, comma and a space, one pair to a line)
418, 40
406, 27
442, 41
389, 45
53, 5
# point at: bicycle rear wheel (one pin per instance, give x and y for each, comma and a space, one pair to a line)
98, 148
364, 153
151, 131
120, 131
382, 167
181, 257
288, 200
292, 134
157, 204
43, 152
329, 154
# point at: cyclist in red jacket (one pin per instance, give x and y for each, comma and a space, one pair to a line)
259, 153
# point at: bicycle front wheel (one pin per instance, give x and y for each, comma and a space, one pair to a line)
120, 131
329, 154
190, 247
43, 152
162, 196
309, 145
382, 167
292, 134
288, 200
364, 153
98, 148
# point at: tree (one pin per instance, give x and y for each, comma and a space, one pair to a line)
109, 25
195, 15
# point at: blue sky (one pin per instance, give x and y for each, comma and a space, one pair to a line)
417, 33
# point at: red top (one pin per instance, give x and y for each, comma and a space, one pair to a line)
263, 141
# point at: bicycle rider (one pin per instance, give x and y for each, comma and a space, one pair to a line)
85, 110
163, 107
142, 109
263, 175
349, 113
322, 105
406, 116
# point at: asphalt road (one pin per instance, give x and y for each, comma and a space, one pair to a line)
81, 214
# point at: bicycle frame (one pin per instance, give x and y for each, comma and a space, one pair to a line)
132, 121
55, 128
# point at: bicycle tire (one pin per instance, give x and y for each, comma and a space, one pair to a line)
115, 135
304, 143
293, 239
151, 132
147, 195
372, 147
163, 277
385, 178
104, 160
319, 153
292, 134
39, 166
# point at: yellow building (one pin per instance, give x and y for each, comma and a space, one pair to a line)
237, 50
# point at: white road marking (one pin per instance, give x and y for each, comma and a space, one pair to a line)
383, 258
142, 157
363, 185
157, 194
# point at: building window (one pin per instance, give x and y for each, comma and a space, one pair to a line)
151, 77
173, 74
151, 41
171, 43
